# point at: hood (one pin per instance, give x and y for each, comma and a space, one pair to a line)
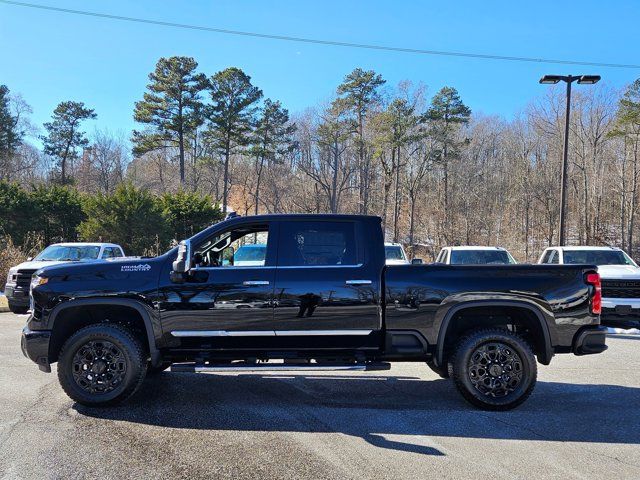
101, 267
397, 262
38, 264
619, 272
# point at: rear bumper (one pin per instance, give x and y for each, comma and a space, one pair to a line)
590, 340
35, 346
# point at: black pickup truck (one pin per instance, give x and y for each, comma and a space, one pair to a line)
306, 292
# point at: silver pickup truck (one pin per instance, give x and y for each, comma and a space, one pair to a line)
19, 277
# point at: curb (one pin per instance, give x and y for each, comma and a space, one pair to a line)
4, 306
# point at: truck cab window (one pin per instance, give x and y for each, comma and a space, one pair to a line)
242, 247
317, 244
545, 257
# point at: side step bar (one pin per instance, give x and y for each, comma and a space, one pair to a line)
278, 367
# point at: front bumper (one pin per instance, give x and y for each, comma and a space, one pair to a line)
621, 312
590, 340
35, 346
17, 296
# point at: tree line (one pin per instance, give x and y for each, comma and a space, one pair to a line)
143, 223
437, 173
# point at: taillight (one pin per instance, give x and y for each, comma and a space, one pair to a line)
596, 300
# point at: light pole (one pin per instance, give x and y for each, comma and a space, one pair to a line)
568, 79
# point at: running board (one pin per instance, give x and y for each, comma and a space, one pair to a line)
280, 367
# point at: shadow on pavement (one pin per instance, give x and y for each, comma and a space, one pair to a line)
378, 408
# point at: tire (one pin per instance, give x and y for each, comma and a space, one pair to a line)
18, 310
442, 372
100, 383
159, 369
494, 369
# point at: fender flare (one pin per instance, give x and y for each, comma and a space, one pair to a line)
548, 349
124, 302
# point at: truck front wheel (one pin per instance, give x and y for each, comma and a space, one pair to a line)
101, 365
494, 369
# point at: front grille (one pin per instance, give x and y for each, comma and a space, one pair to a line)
23, 278
621, 288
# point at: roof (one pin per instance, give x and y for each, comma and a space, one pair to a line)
85, 244
475, 247
392, 244
240, 220
585, 247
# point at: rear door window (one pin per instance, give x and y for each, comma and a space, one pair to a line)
317, 244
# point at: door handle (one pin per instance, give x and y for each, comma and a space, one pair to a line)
255, 282
358, 282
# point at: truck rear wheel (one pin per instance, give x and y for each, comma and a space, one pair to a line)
101, 365
494, 369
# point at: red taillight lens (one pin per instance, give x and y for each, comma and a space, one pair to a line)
596, 300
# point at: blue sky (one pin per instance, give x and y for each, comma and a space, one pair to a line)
49, 57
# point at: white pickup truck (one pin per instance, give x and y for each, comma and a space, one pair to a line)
19, 277
620, 280
475, 255
394, 254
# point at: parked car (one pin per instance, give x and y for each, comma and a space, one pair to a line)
325, 300
620, 280
475, 255
19, 277
394, 254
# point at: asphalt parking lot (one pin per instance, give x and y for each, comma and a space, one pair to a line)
583, 421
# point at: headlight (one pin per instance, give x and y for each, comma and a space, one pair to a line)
38, 280
12, 272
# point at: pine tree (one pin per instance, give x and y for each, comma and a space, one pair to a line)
171, 106
231, 116
447, 113
10, 133
271, 140
356, 94
63, 133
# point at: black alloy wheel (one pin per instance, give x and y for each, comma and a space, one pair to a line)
102, 364
99, 366
494, 368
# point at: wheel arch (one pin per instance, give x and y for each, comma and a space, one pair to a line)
533, 317
83, 312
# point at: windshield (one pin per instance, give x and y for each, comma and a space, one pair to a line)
597, 257
69, 253
250, 253
393, 252
480, 257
